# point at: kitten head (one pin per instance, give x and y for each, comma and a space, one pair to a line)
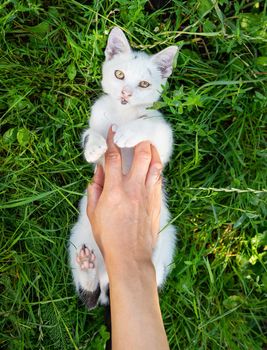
134, 78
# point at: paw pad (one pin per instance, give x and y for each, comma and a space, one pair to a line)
86, 258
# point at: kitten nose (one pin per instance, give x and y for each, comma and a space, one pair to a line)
126, 91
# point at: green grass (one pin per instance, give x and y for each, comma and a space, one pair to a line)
50, 71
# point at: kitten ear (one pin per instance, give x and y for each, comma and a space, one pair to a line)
117, 43
164, 60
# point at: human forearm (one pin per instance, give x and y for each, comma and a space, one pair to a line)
136, 318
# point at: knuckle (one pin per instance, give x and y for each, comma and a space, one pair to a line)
144, 155
113, 156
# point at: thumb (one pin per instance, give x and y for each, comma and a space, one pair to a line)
94, 190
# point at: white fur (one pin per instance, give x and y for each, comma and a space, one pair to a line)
134, 123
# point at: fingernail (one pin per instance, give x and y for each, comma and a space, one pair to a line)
114, 127
156, 171
157, 168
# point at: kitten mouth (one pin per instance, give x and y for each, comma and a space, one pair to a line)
123, 101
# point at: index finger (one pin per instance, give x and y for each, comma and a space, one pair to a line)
141, 161
113, 166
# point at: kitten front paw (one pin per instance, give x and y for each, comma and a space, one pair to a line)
86, 258
94, 147
126, 137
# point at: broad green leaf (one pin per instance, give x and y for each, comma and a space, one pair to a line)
9, 136
71, 71
41, 28
23, 136
262, 61
204, 6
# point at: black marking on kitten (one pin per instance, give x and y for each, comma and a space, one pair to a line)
107, 321
85, 140
90, 299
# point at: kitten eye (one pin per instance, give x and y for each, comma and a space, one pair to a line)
144, 84
119, 74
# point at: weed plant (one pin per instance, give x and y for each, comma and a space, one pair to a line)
50, 71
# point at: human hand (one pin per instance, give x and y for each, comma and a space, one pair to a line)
124, 210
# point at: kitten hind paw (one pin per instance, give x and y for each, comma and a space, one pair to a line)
86, 258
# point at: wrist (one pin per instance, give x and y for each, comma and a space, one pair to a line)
129, 269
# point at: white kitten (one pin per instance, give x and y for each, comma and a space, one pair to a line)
132, 82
